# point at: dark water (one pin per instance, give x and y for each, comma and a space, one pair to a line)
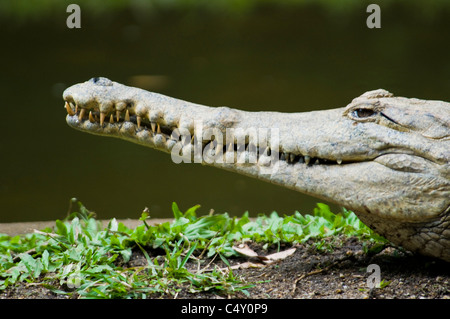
284, 59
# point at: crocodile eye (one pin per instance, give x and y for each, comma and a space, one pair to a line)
363, 113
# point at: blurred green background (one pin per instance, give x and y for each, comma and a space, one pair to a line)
282, 55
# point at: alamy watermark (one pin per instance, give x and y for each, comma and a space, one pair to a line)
374, 19
374, 279
234, 146
71, 276
73, 21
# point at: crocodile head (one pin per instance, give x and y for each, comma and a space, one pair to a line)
384, 157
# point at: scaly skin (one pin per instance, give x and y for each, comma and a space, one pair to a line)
384, 157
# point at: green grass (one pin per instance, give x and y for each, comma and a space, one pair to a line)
80, 257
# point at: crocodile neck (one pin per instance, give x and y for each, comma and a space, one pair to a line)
384, 157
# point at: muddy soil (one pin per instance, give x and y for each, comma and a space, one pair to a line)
312, 274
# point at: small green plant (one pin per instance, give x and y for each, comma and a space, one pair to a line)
384, 283
78, 256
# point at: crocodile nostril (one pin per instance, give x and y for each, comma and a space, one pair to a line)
101, 81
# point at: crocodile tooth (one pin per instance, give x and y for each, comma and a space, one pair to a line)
262, 152
185, 140
175, 134
316, 162
292, 157
117, 115
69, 109
230, 147
127, 116
229, 154
307, 159
91, 117
339, 161
76, 107
158, 129
102, 117
301, 160
219, 148
80, 117
111, 119
282, 157
138, 121
153, 125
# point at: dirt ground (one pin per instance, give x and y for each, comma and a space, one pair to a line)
311, 274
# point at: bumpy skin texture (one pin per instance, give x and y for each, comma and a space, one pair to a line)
384, 157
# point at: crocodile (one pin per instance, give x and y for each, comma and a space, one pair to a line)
384, 157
